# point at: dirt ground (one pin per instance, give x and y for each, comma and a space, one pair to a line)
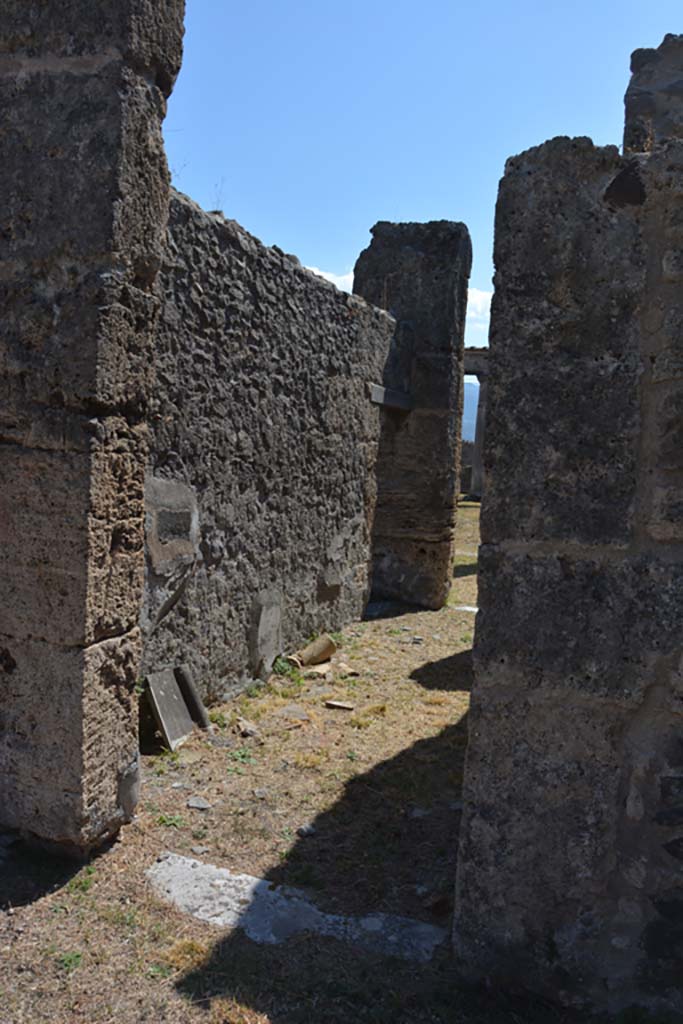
380, 784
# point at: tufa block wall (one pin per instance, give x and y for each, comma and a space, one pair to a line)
419, 273
572, 840
261, 482
82, 214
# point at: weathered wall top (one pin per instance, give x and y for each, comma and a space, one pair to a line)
146, 34
654, 111
401, 271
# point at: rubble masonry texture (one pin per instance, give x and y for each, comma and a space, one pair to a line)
261, 481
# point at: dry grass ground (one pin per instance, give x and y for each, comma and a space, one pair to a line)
380, 784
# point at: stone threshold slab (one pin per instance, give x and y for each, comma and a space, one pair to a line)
270, 915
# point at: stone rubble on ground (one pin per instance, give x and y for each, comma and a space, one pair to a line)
198, 803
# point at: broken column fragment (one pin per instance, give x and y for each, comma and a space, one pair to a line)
83, 207
569, 876
419, 273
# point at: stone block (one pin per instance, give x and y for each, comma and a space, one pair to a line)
579, 480
667, 446
540, 827
590, 626
666, 519
71, 551
403, 567
74, 711
433, 379
108, 126
86, 345
147, 33
44, 501
564, 397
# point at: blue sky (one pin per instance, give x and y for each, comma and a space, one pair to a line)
308, 122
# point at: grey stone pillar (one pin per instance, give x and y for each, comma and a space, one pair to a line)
83, 208
419, 273
477, 485
569, 875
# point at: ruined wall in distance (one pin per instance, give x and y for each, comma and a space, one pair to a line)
569, 876
419, 273
261, 482
82, 213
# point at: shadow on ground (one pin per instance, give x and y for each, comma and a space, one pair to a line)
28, 872
381, 608
452, 673
460, 571
388, 845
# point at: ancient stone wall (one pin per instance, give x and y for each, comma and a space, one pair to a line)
82, 211
419, 273
569, 876
261, 483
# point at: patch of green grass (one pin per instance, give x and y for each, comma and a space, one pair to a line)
171, 821
281, 667
119, 916
83, 881
338, 639
243, 755
284, 670
218, 718
159, 971
69, 962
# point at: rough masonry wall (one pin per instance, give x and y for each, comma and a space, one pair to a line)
569, 875
82, 209
261, 483
419, 273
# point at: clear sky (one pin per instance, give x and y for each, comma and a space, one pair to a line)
309, 121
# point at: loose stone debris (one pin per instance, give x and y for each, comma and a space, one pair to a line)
198, 803
271, 915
